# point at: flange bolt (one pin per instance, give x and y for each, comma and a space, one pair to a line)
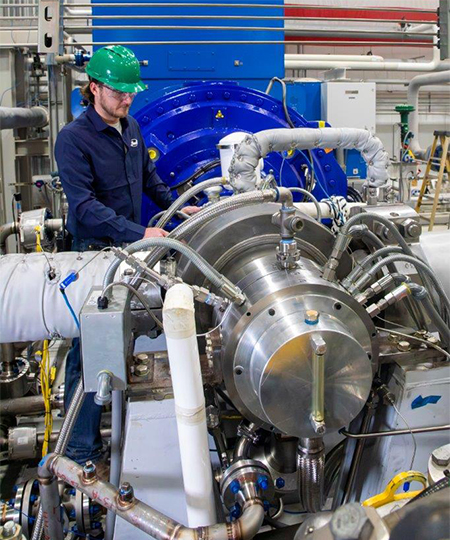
89, 471
263, 482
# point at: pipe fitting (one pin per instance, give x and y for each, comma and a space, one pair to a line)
126, 494
103, 395
89, 473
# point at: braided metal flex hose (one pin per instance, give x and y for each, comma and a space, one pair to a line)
195, 222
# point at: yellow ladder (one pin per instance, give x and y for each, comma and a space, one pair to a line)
444, 164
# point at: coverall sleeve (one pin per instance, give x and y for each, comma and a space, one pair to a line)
78, 183
158, 191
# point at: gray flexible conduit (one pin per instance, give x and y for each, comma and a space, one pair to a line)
311, 468
195, 222
423, 268
368, 216
310, 196
184, 198
215, 277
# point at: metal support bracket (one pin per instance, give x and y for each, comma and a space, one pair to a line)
50, 30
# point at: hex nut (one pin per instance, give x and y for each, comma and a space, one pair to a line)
141, 358
311, 316
9, 529
404, 346
348, 522
141, 370
441, 456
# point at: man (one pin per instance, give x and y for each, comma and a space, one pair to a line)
104, 168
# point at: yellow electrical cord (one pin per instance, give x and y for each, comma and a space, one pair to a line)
38, 239
47, 377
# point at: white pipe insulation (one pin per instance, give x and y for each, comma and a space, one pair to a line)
335, 57
257, 146
20, 117
184, 360
413, 99
31, 305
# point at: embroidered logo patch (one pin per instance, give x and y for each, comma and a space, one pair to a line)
133, 143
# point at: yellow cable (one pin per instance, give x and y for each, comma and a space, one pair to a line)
47, 377
38, 239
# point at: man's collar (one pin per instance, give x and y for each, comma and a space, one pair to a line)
98, 121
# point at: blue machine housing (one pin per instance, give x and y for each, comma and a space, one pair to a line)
182, 122
183, 128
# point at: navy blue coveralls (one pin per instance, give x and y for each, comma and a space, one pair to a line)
103, 174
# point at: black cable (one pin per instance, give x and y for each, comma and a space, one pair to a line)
225, 398
202, 170
443, 483
353, 194
16, 236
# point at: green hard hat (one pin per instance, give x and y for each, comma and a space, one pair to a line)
117, 67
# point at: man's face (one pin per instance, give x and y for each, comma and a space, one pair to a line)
116, 104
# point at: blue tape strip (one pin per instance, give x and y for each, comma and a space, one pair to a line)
422, 401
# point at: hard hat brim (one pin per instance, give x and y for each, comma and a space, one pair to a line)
128, 87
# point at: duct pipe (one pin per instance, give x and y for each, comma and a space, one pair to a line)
7, 230
367, 66
413, 99
50, 504
114, 471
19, 117
28, 405
31, 305
294, 62
148, 519
184, 360
257, 146
335, 57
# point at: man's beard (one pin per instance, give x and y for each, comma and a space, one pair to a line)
120, 111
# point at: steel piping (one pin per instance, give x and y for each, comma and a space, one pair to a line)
203, 4
27, 405
61, 445
413, 99
19, 117
6, 231
69, 43
148, 519
394, 432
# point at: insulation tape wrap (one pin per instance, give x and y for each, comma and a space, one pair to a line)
249, 152
31, 305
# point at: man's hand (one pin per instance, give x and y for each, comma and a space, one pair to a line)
189, 210
155, 232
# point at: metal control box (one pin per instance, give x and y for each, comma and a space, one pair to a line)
105, 338
349, 104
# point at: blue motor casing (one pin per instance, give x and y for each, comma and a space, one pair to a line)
183, 128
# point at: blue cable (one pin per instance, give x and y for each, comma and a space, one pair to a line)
72, 312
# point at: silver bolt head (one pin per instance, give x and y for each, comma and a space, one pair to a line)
311, 316
9, 529
404, 346
141, 370
348, 522
441, 456
142, 358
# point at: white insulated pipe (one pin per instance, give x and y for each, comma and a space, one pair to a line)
257, 146
414, 87
293, 61
335, 57
32, 307
20, 117
184, 360
310, 209
367, 66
